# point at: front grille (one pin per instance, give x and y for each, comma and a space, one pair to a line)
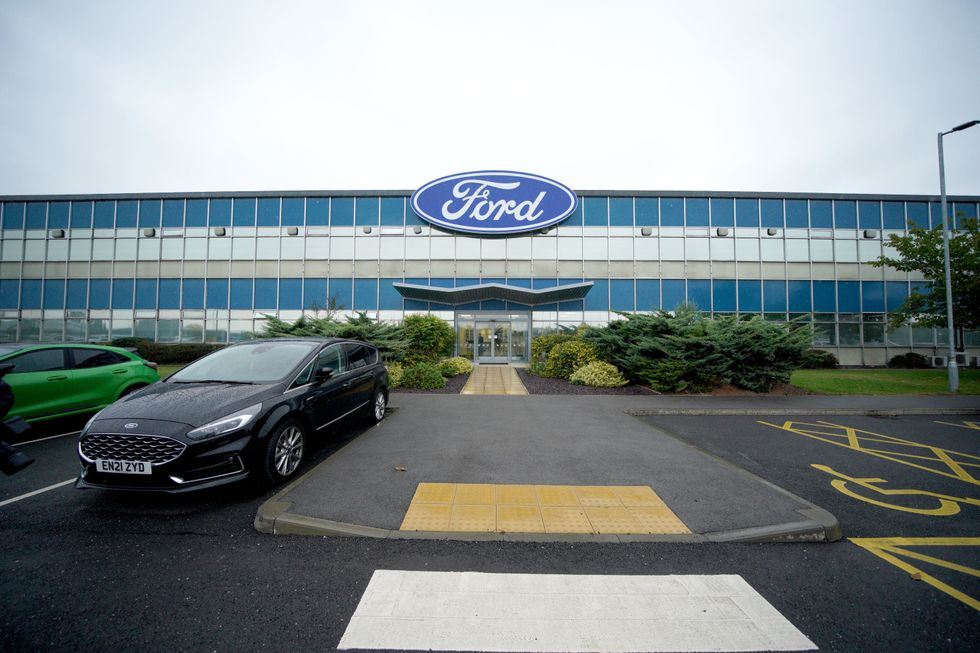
116, 446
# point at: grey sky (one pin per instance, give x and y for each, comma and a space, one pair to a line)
206, 96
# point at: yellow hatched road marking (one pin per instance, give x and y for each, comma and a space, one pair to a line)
471, 507
855, 439
975, 426
893, 549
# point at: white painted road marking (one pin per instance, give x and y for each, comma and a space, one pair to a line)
30, 494
467, 611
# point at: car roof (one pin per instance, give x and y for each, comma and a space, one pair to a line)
312, 339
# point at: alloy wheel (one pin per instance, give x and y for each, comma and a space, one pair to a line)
289, 450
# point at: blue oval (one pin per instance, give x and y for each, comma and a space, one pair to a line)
494, 202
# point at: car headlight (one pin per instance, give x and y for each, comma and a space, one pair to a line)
224, 425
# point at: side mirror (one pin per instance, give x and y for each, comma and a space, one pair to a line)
322, 374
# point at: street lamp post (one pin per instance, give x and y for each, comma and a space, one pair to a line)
954, 373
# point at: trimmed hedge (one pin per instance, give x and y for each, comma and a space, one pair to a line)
598, 374
167, 353
423, 376
818, 359
910, 360
455, 366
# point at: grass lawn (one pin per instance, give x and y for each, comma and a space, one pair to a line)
884, 381
166, 370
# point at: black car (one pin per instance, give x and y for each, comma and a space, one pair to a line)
245, 410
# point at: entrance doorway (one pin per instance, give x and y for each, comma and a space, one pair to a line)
488, 339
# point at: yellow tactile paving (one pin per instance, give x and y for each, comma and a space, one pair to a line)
494, 380
510, 508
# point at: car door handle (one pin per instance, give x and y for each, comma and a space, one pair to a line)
57, 378
120, 371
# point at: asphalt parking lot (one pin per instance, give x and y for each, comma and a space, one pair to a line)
102, 570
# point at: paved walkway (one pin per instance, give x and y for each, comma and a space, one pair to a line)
494, 380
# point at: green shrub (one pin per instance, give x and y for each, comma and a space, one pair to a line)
388, 338
598, 374
429, 338
910, 360
541, 347
167, 353
690, 352
395, 373
566, 357
423, 376
455, 366
817, 359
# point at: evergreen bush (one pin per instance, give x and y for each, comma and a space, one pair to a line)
818, 359
910, 360
598, 374
423, 376
167, 353
541, 347
455, 366
388, 338
566, 357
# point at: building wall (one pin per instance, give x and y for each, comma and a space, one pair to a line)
200, 267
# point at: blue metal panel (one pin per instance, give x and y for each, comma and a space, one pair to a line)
849, 296
799, 297
77, 295
647, 294
169, 293
146, 294
724, 293
673, 292
774, 296
192, 293
58, 215
722, 212
266, 294
315, 294
697, 212
699, 293
54, 293
122, 293
149, 213
873, 296
749, 296
241, 294
366, 294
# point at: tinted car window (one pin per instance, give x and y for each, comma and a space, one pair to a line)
89, 358
303, 377
255, 362
359, 356
333, 358
42, 360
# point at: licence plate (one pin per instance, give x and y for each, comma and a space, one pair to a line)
123, 466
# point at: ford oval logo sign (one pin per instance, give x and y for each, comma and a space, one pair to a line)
494, 202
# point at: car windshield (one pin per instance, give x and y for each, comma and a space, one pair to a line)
260, 362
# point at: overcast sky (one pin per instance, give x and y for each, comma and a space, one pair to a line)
822, 96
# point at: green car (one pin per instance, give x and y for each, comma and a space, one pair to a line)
57, 380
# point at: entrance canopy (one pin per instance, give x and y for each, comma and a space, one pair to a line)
485, 291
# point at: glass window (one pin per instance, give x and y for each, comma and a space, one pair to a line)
894, 215
341, 293
895, 293
266, 294
722, 212
122, 293
918, 214
596, 211
365, 294
796, 214
873, 296
359, 356
169, 291
220, 213
724, 295
332, 358
848, 296
173, 213
341, 212
39, 360
749, 296
699, 293
366, 211
621, 295
244, 212
98, 294
697, 212
146, 294
647, 212
290, 294
746, 213
621, 211
81, 215
241, 294
37, 215
672, 212
824, 300
149, 213
673, 293
292, 212
197, 213
821, 214
13, 215
870, 214
598, 297
850, 334
315, 294
647, 294
393, 211
58, 215
86, 359
774, 296
268, 212
772, 213
192, 293
318, 211
126, 212
250, 362
54, 293
217, 293
9, 290
845, 214
799, 296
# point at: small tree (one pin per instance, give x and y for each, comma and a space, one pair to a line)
429, 338
922, 251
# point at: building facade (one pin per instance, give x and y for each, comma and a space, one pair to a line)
211, 267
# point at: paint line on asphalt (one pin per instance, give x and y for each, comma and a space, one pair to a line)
36, 492
50, 437
468, 611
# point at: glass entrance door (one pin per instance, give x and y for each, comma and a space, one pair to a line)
493, 341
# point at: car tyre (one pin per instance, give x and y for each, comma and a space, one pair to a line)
378, 408
284, 452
